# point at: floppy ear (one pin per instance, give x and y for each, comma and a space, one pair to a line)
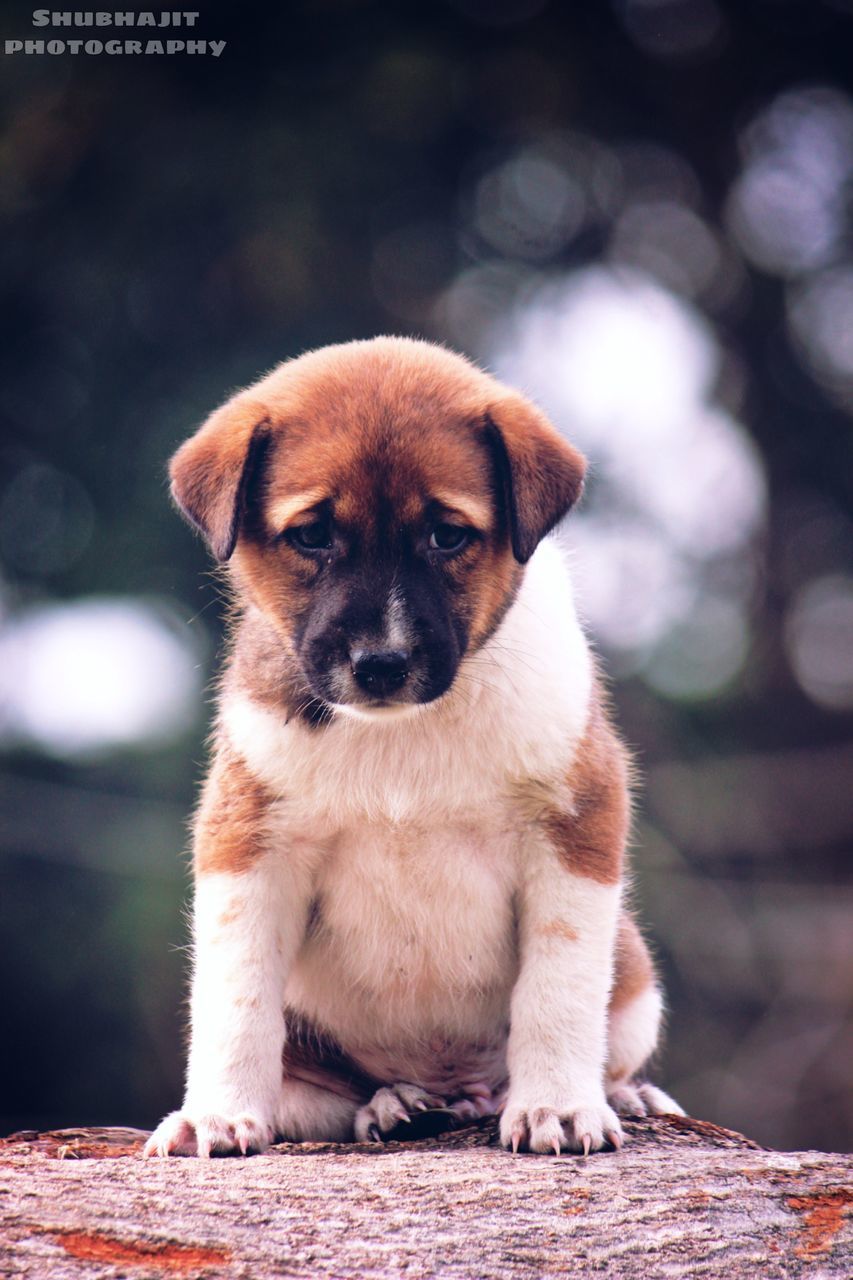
211, 472
540, 473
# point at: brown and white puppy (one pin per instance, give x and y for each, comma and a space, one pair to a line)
409, 852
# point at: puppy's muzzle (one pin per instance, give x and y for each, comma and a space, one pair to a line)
380, 672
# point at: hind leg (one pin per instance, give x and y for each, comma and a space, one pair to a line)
392, 1105
632, 1038
634, 1023
310, 1113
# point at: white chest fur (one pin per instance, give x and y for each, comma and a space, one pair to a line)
412, 936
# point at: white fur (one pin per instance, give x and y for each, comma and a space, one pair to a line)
246, 931
307, 1113
633, 1034
412, 836
567, 927
397, 632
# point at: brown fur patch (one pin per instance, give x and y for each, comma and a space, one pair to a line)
211, 471
558, 929
543, 475
229, 823
633, 972
591, 835
312, 1054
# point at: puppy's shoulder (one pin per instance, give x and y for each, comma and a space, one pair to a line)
229, 823
603, 763
591, 829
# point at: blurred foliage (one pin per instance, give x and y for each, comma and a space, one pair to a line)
172, 226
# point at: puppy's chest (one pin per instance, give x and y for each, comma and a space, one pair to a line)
417, 906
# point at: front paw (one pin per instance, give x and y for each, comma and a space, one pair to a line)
182, 1134
542, 1128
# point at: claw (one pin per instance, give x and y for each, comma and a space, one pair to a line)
420, 1105
586, 1142
614, 1138
517, 1135
556, 1145
373, 1134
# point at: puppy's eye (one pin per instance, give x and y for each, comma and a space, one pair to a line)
316, 536
449, 537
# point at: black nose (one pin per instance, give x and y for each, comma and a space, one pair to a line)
380, 672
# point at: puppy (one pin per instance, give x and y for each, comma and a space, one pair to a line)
410, 848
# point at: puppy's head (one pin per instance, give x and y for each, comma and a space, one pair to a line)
377, 501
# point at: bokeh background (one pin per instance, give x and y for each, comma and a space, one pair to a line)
637, 211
